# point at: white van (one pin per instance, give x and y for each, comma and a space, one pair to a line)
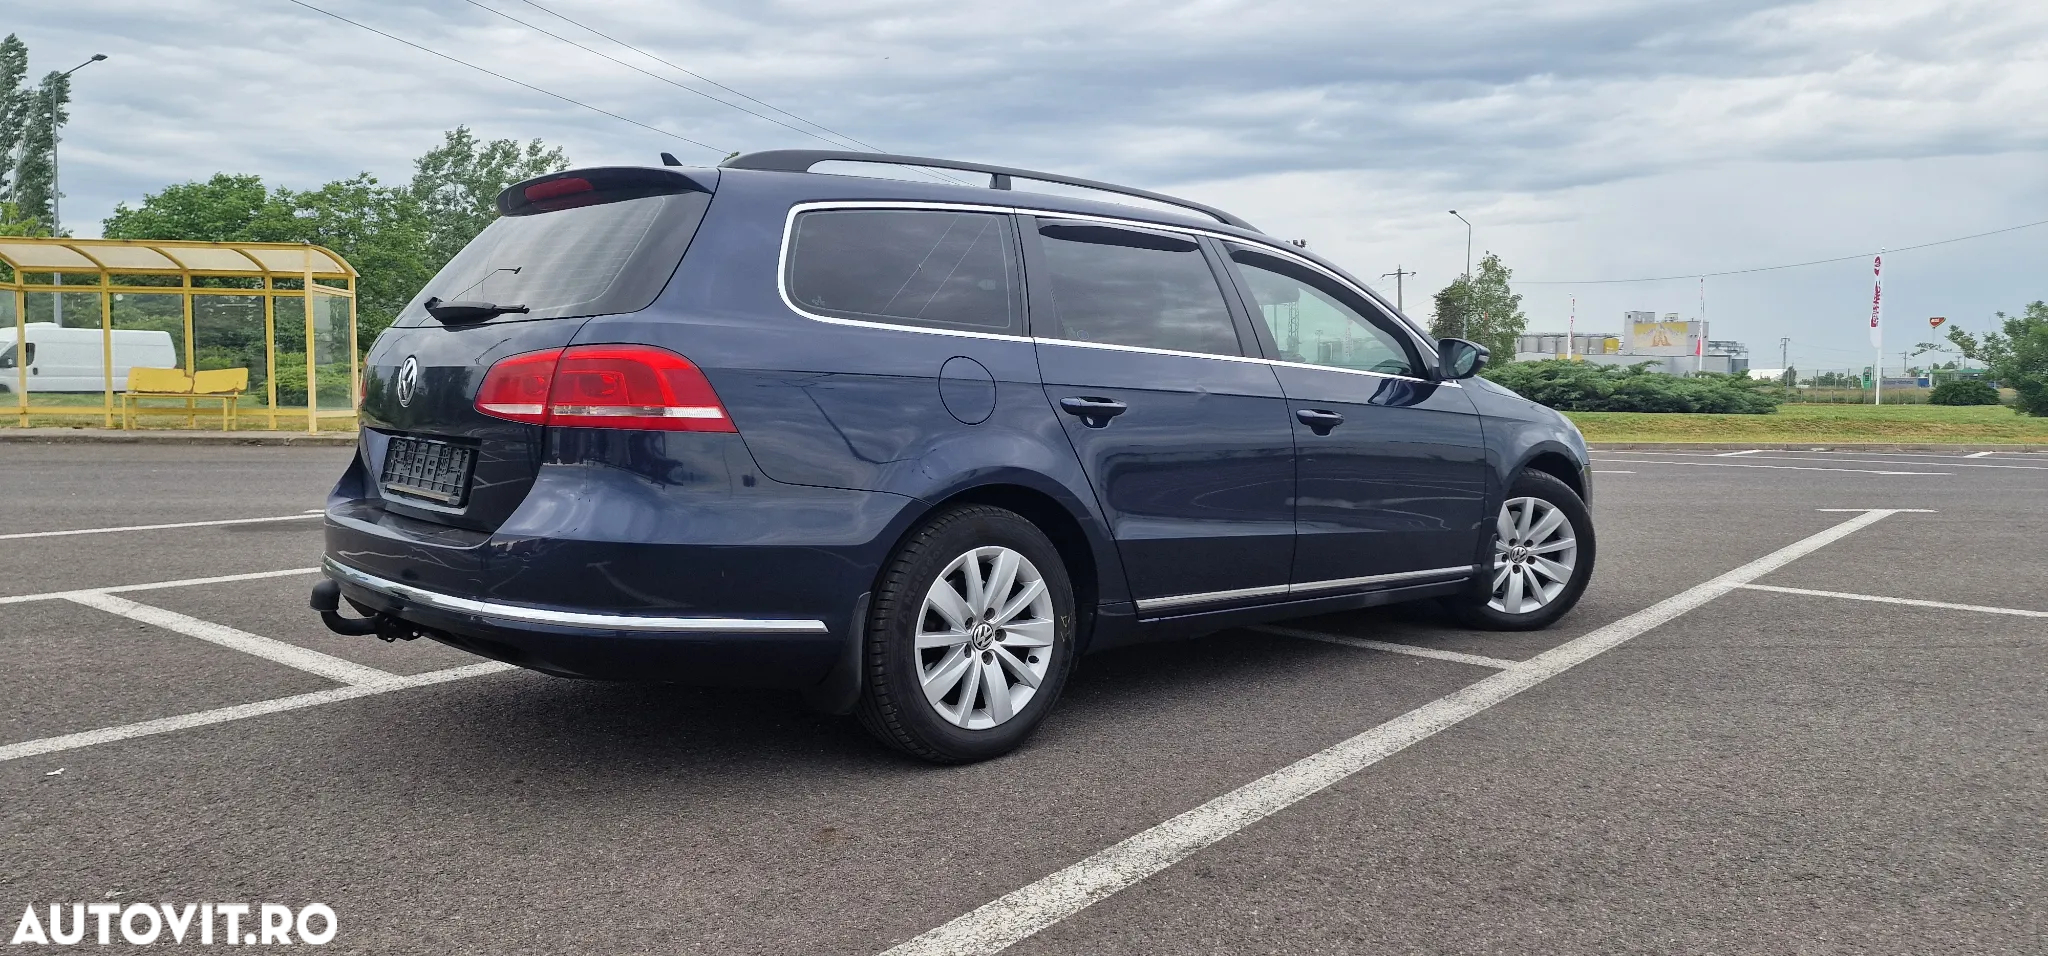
71, 359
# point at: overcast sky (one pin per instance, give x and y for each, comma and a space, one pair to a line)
1585, 139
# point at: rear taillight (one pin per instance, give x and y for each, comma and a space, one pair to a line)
517, 387
603, 386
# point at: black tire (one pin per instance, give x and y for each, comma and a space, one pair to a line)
1474, 609
893, 706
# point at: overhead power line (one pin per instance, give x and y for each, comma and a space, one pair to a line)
699, 76
646, 72
682, 69
1790, 265
479, 69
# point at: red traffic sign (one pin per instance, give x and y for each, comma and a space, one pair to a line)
1935, 322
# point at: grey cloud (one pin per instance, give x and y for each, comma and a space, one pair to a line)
1356, 124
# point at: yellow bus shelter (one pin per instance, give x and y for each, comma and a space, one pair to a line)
105, 327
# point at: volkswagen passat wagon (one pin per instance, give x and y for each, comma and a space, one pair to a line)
914, 449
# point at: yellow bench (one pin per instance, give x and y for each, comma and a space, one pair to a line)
225, 385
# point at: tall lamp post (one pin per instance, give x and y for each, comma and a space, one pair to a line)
56, 187
1468, 267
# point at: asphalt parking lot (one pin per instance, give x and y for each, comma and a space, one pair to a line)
1780, 722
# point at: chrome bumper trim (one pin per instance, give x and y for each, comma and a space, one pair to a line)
534, 615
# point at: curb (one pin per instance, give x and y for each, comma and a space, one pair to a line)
1808, 446
114, 436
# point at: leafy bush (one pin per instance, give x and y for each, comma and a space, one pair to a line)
1583, 387
291, 382
1963, 391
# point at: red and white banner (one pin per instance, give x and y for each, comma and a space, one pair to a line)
1877, 304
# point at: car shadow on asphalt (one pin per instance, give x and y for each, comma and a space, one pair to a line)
1217, 698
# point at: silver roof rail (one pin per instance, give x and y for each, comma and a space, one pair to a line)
801, 161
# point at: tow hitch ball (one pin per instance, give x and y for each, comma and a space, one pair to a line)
327, 601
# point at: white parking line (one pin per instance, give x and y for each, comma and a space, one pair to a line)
1980, 608
290, 655
1023, 912
1610, 471
155, 585
1733, 464
1408, 649
164, 725
1888, 460
1981, 454
154, 527
1738, 454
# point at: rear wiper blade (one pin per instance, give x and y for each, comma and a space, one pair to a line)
468, 310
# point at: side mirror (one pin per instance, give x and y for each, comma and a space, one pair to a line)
1458, 358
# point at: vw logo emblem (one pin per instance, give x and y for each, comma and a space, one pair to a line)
983, 635
408, 380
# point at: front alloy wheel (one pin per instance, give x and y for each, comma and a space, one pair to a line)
1542, 557
1535, 551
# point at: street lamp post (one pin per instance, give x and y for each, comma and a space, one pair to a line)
1468, 268
56, 187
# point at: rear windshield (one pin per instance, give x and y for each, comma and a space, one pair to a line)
591, 260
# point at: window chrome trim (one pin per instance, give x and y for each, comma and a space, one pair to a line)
1312, 587
1422, 341
534, 615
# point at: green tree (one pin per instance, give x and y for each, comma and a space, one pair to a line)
13, 107
13, 224
1483, 309
222, 209
2017, 355
456, 184
396, 237
29, 118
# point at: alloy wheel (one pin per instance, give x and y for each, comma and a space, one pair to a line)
984, 637
1535, 551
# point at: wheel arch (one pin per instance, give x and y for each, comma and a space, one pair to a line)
1059, 525
1558, 463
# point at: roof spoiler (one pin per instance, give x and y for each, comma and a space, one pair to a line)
999, 177
596, 185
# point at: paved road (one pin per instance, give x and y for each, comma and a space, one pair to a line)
1769, 771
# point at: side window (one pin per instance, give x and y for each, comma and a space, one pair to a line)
1131, 287
1317, 322
951, 270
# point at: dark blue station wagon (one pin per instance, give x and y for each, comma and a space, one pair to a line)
913, 449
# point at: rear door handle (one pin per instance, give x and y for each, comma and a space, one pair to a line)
1318, 420
1093, 412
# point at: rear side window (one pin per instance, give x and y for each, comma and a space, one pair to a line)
948, 270
600, 259
1134, 287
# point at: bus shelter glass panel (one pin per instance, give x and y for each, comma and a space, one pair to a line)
290, 321
13, 371
68, 372
333, 356
147, 330
227, 332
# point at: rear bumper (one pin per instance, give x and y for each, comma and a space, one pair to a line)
642, 556
724, 651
